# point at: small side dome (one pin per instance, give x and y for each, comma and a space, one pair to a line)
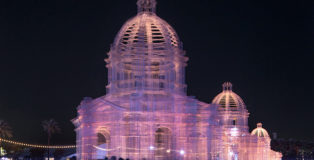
260, 131
228, 100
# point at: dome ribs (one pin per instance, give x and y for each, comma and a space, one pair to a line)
146, 57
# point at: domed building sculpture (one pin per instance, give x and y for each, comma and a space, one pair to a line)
146, 113
260, 131
235, 140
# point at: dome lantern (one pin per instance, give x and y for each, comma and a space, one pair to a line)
146, 6
227, 86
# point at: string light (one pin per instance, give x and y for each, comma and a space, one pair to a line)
103, 149
37, 146
182, 152
150, 148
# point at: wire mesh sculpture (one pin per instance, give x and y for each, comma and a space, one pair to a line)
146, 113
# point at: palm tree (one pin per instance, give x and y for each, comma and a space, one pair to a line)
51, 127
5, 132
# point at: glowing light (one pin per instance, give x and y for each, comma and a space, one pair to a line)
2, 152
35, 145
234, 132
103, 149
168, 151
182, 152
151, 147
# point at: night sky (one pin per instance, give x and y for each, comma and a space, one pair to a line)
52, 55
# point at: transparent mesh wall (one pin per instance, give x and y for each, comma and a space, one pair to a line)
146, 113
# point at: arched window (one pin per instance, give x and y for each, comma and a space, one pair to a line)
102, 145
234, 122
162, 142
101, 139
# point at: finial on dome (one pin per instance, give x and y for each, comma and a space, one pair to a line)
146, 6
259, 125
227, 86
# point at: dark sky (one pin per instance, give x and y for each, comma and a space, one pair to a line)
52, 52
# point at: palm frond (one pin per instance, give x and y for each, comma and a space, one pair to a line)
51, 126
5, 130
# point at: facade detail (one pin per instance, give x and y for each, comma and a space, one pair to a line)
146, 113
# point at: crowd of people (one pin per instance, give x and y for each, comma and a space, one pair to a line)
294, 149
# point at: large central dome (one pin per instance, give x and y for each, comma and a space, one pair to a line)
146, 57
146, 29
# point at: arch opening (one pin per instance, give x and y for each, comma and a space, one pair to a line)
102, 147
163, 143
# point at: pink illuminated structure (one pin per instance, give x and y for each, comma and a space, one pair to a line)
146, 113
236, 143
